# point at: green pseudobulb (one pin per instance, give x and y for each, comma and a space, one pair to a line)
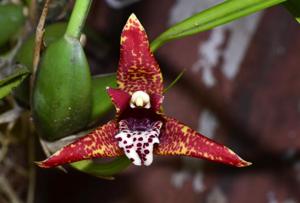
62, 93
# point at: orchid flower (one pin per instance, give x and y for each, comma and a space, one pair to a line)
140, 128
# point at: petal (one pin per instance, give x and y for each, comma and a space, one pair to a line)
178, 139
119, 98
138, 69
99, 143
156, 102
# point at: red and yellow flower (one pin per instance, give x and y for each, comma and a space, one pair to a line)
140, 128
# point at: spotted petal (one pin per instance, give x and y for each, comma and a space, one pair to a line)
178, 139
138, 69
99, 143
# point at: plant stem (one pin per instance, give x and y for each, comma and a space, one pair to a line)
38, 44
78, 17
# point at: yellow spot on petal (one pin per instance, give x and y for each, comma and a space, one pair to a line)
185, 129
121, 85
183, 148
205, 155
98, 151
123, 39
133, 18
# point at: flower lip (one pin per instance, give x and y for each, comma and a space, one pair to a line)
137, 138
139, 132
138, 124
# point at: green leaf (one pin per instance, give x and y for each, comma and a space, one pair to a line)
11, 20
101, 101
217, 15
12, 81
174, 81
104, 170
293, 6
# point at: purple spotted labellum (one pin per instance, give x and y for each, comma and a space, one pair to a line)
140, 128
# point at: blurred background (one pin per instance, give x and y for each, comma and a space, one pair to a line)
241, 88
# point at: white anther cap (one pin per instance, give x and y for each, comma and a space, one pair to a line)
140, 99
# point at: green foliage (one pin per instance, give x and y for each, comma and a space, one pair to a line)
25, 57
101, 101
106, 170
11, 20
294, 8
217, 15
52, 33
12, 81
